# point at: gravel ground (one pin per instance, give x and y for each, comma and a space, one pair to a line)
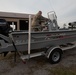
35, 66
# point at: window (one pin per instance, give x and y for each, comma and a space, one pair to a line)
13, 24
23, 24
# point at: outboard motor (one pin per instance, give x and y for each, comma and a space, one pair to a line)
4, 30
4, 27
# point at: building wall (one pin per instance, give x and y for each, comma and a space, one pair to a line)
15, 17
14, 20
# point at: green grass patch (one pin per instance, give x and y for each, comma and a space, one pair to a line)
61, 70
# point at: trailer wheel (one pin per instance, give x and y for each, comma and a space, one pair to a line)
55, 56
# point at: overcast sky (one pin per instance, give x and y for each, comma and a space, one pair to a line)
65, 9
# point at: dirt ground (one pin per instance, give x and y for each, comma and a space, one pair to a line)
39, 65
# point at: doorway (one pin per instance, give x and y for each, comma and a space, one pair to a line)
23, 24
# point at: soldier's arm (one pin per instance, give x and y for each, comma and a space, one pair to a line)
43, 18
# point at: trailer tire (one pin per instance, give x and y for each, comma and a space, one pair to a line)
55, 56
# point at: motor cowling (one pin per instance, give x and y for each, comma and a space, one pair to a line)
4, 27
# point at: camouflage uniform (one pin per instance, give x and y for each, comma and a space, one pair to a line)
37, 20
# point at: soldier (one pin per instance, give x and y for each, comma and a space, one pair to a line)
37, 21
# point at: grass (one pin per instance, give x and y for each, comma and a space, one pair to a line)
58, 69
10, 58
4, 71
61, 70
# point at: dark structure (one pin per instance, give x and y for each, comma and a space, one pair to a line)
72, 25
4, 27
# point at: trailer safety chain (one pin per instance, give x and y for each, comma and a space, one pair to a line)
16, 51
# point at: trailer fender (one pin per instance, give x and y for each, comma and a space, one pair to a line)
51, 49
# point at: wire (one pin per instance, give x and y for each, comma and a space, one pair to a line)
51, 5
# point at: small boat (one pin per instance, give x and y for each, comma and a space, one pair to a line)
52, 37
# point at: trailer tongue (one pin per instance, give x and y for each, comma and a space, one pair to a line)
49, 43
